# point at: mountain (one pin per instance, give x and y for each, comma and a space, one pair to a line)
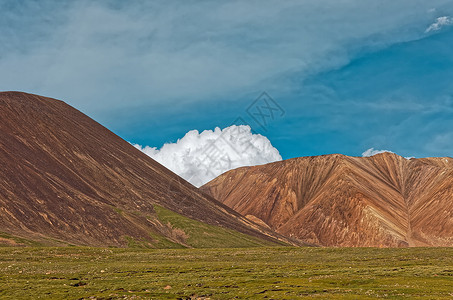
65, 179
335, 200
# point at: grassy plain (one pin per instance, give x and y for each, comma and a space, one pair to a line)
241, 273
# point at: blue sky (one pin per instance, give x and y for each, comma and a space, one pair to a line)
349, 74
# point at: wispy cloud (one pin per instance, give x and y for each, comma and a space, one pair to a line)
115, 53
372, 152
440, 23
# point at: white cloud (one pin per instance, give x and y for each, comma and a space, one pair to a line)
440, 22
372, 151
200, 157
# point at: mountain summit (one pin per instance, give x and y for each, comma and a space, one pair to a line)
335, 200
65, 179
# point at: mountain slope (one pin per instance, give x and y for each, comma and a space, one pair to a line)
65, 179
335, 200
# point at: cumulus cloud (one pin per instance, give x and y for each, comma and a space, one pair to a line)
440, 23
200, 157
372, 151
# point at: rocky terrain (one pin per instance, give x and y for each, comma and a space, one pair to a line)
335, 200
65, 179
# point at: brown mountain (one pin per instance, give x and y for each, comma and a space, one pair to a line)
335, 200
66, 179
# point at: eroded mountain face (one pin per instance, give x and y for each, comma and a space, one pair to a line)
66, 179
335, 200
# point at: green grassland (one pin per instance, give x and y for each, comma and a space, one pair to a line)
201, 235
241, 273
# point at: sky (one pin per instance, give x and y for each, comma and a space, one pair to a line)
338, 76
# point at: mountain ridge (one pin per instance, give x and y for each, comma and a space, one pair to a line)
336, 200
66, 179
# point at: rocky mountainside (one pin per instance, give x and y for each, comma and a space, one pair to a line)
65, 179
335, 200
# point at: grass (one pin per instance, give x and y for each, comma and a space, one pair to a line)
245, 273
7, 239
201, 235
